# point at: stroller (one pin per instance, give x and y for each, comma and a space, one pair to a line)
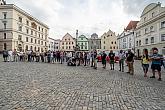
71, 62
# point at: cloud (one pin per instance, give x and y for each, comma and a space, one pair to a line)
88, 16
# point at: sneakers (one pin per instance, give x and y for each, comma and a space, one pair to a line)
152, 77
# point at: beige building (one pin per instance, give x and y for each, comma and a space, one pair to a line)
109, 41
19, 30
150, 31
67, 43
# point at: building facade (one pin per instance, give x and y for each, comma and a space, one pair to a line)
150, 31
82, 42
57, 44
67, 43
94, 42
127, 38
21, 31
51, 44
109, 41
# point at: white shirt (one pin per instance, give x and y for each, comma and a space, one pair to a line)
121, 56
10, 53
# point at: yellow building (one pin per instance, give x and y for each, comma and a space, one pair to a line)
109, 41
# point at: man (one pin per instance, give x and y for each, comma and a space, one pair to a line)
121, 60
156, 63
37, 56
130, 62
15, 55
85, 58
95, 59
42, 56
103, 57
5, 55
10, 53
112, 59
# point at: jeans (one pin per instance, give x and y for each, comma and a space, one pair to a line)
121, 65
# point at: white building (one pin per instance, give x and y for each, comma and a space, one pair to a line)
127, 38
150, 31
54, 44
21, 31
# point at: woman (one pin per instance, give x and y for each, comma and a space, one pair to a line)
145, 62
103, 57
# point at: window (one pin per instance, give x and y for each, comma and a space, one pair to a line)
66, 43
163, 24
5, 15
151, 29
146, 30
4, 25
104, 42
42, 30
163, 37
35, 48
153, 14
85, 43
152, 39
4, 46
20, 28
104, 47
4, 36
114, 47
81, 46
45, 43
31, 40
27, 22
27, 31
65, 39
39, 28
69, 43
27, 39
41, 42
129, 45
31, 32
139, 42
26, 47
146, 41
63, 43
66, 47
69, 39
42, 36
20, 19
111, 42
35, 41
62, 47
38, 48
72, 42
85, 47
19, 37
69, 47
115, 42
104, 37
39, 35
81, 38
110, 47
38, 41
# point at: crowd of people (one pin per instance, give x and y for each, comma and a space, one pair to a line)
90, 59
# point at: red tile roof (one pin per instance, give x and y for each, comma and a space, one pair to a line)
131, 25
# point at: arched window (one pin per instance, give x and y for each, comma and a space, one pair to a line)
5, 46
26, 47
34, 48
31, 47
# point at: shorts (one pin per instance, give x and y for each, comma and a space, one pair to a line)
156, 67
112, 61
145, 66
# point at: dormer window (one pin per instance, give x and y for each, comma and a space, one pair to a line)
153, 14
20, 19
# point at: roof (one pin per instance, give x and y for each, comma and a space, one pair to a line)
131, 25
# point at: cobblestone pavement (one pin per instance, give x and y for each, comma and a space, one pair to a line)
40, 86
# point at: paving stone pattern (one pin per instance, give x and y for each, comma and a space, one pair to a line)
41, 86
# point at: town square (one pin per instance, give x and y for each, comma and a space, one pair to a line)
72, 55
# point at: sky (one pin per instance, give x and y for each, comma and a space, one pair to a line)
88, 16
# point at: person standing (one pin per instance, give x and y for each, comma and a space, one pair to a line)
156, 63
103, 57
88, 58
61, 57
10, 53
145, 62
130, 62
95, 59
92, 58
85, 59
49, 56
42, 56
15, 55
5, 55
37, 56
112, 59
121, 60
